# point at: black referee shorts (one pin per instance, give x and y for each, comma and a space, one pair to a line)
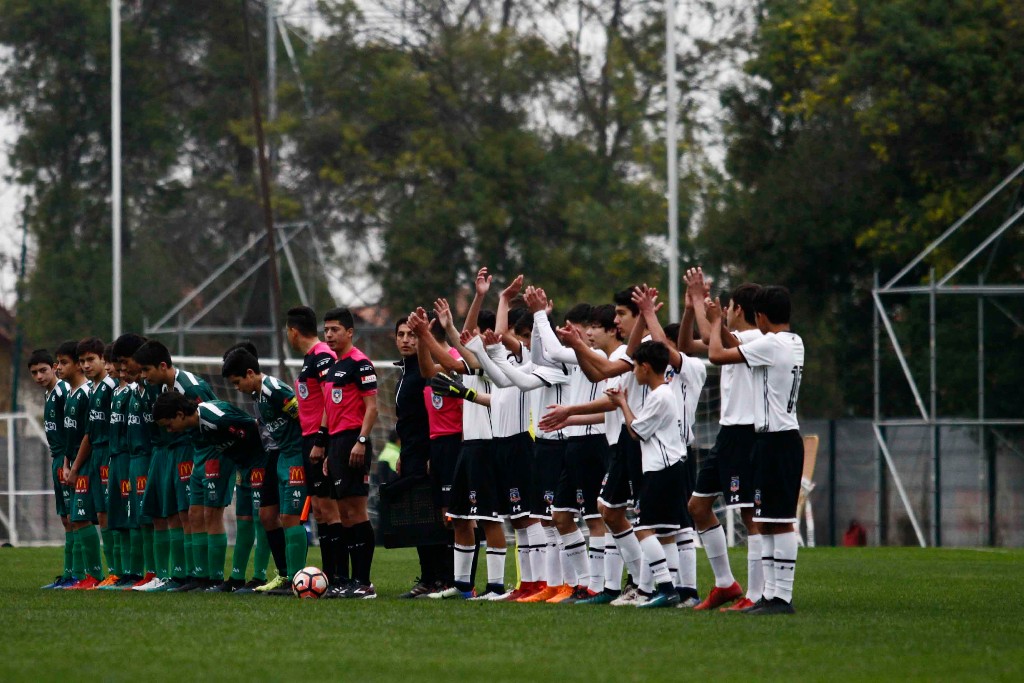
444, 452
319, 485
347, 481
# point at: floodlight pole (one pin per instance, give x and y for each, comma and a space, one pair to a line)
115, 162
672, 157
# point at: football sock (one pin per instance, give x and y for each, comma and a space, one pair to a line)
148, 556
755, 572
261, 553
552, 562
323, 532
126, 551
612, 565
217, 550
186, 548
595, 556
646, 579
442, 565
275, 541
161, 553
295, 548
463, 566
361, 545
785, 564
718, 555
687, 548
576, 557
200, 555
496, 566
69, 553
114, 558
524, 553
654, 555
768, 565
135, 550
77, 558
245, 537
339, 543
538, 546
176, 536
568, 570
672, 557
629, 548
89, 539
109, 550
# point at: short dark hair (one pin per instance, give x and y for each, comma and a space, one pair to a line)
302, 319
774, 302
152, 353
487, 320
655, 354
625, 298
90, 345
244, 344
40, 356
238, 362
579, 314
524, 325
672, 332
436, 331
170, 403
69, 349
108, 353
743, 296
404, 320
343, 316
127, 344
603, 315
514, 314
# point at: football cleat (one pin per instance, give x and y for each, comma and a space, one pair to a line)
87, 584
188, 586
579, 593
154, 586
687, 603
525, 588
419, 589
147, 577
770, 607
719, 596
542, 595
126, 582
628, 597
605, 597
250, 586
57, 583
738, 606
168, 586
452, 593
340, 589
565, 592
361, 592
276, 582
660, 599
228, 586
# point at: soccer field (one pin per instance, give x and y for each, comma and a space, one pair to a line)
862, 614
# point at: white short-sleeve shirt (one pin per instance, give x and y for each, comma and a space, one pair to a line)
659, 425
777, 362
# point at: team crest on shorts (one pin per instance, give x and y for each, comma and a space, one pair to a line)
757, 497
437, 401
513, 496
336, 395
303, 391
549, 497
472, 497
734, 484
579, 496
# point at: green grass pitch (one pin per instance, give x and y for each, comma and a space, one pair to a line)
862, 614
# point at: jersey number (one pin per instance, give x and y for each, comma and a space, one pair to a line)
797, 372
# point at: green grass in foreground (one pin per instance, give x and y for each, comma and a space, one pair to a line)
864, 614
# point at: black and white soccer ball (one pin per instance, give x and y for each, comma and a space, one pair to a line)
310, 582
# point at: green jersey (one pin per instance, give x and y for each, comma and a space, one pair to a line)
191, 387
76, 420
117, 435
139, 422
99, 411
228, 431
53, 417
279, 412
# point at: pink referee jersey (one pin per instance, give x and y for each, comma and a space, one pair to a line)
443, 412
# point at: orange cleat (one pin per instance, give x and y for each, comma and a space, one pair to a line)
738, 606
719, 596
543, 595
109, 581
565, 592
525, 589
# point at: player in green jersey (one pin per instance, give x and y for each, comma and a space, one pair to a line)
119, 483
43, 370
279, 413
179, 478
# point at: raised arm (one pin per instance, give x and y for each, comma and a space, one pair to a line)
646, 299
685, 342
717, 353
481, 286
698, 289
595, 366
432, 356
549, 348
491, 369
444, 318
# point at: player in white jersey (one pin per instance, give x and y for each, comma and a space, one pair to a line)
777, 362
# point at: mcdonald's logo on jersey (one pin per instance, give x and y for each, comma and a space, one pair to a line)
213, 469
185, 470
82, 484
256, 477
104, 474
296, 475
140, 484
126, 488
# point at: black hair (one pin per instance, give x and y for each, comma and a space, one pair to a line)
152, 353
514, 314
743, 296
404, 320
343, 316
244, 344
436, 331
579, 314
774, 302
90, 345
108, 353
672, 332
238, 362
524, 325
126, 345
625, 298
603, 315
170, 403
40, 356
653, 353
487, 320
69, 349
302, 319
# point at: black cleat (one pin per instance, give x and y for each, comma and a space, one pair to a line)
229, 586
341, 589
190, 585
767, 607
250, 587
419, 589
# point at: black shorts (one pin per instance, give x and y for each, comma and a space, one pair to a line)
264, 481
444, 452
727, 471
475, 483
346, 481
548, 459
513, 456
319, 486
413, 460
778, 468
582, 472
624, 473
658, 500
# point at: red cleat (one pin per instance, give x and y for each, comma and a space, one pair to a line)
719, 596
144, 580
739, 606
87, 584
525, 588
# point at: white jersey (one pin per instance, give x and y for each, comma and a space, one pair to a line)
554, 392
510, 409
738, 387
582, 390
687, 382
476, 419
613, 418
659, 424
777, 361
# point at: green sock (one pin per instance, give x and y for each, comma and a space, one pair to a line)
218, 550
295, 548
147, 549
199, 552
89, 539
69, 553
77, 558
262, 555
244, 539
177, 563
110, 551
136, 554
161, 553
189, 565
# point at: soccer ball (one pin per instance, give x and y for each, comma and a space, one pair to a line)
309, 583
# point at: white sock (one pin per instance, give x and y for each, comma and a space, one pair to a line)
785, 564
552, 562
595, 555
686, 544
672, 559
755, 571
576, 557
645, 582
538, 546
568, 571
612, 565
523, 551
768, 565
629, 549
654, 556
718, 555
464, 562
496, 566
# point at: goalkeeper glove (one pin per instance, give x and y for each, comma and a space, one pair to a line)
446, 385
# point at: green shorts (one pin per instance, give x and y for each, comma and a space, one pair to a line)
118, 491
138, 479
218, 481
61, 492
101, 461
181, 474
245, 504
87, 490
196, 485
161, 500
291, 477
